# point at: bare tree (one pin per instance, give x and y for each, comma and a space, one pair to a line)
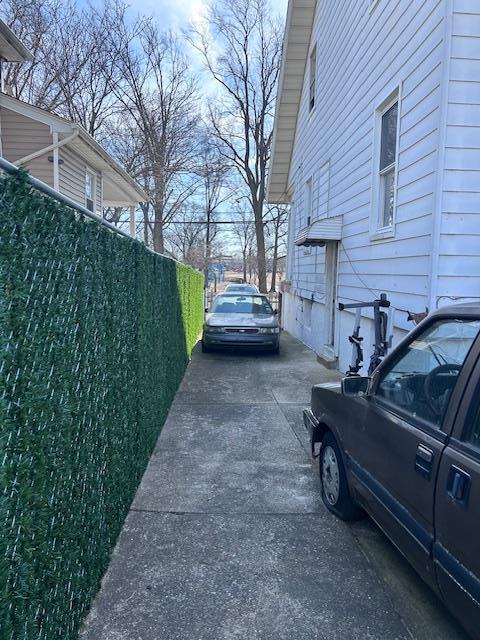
241, 51
160, 95
186, 239
213, 172
277, 227
39, 24
244, 233
86, 47
72, 68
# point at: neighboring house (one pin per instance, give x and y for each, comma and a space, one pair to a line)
58, 152
377, 150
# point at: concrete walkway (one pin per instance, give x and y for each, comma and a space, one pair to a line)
227, 537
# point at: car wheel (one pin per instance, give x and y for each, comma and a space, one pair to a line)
205, 349
276, 350
335, 492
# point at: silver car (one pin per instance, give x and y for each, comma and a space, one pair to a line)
241, 288
243, 321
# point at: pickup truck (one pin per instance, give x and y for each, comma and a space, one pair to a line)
404, 446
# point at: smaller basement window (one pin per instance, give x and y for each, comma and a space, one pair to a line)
313, 77
89, 190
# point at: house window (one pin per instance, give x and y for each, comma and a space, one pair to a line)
313, 78
388, 165
89, 191
308, 200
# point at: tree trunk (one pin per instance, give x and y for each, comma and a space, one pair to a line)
244, 254
158, 244
274, 276
144, 207
261, 260
208, 249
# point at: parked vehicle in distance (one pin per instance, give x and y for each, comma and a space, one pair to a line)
241, 288
243, 321
404, 445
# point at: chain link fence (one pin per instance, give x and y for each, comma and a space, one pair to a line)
95, 335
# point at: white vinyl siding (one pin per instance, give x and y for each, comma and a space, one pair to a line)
459, 259
365, 57
355, 79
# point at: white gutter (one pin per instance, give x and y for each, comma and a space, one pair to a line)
51, 147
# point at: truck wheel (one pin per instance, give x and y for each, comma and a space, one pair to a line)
335, 492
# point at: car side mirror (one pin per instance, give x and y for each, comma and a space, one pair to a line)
355, 386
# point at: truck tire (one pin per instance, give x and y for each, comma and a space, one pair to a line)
335, 491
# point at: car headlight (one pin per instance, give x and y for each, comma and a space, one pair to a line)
269, 330
210, 329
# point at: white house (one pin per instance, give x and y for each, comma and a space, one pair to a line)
377, 150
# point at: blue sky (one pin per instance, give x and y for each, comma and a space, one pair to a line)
176, 14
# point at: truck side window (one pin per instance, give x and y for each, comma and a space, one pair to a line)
420, 381
473, 435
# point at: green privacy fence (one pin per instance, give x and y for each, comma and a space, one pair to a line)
95, 335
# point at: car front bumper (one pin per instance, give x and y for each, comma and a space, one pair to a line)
242, 340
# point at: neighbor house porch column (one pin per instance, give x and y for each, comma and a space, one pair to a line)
133, 226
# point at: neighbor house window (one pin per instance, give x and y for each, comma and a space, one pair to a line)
89, 191
313, 77
388, 165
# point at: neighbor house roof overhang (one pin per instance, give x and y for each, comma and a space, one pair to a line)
296, 44
11, 49
119, 189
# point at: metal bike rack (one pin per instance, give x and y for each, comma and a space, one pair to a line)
383, 326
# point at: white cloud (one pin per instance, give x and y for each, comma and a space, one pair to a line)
178, 14
172, 14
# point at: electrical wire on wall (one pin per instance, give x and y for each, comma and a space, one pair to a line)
376, 294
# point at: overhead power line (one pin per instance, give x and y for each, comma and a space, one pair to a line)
204, 222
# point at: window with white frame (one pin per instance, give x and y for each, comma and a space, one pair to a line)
387, 167
308, 201
89, 190
313, 78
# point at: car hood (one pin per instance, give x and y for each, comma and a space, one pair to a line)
241, 320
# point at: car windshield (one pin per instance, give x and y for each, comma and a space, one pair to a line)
242, 304
242, 288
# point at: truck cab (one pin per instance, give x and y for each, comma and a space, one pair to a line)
404, 446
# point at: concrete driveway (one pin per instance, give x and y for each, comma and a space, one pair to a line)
228, 539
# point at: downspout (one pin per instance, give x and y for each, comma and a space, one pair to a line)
442, 134
52, 147
56, 176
